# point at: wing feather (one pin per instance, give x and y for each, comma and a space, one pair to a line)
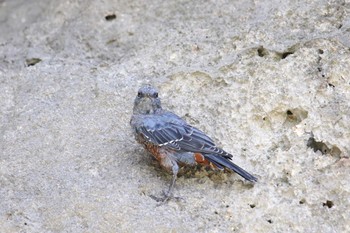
171, 131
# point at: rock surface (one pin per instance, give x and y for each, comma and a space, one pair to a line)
268, 80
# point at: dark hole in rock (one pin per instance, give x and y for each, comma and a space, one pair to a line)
32, 61
111, 41
302, 201
262, 52
285, 54
319, 69
331, 85
295, 116
216, 212
340, 26
317, 146
110, 17
328, 203
252, 206
320, 51
269, 221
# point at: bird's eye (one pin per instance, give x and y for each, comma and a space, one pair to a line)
139, 94
155, 95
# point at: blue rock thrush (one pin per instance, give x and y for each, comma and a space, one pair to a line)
173, 142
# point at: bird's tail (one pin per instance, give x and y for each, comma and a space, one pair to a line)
222, 162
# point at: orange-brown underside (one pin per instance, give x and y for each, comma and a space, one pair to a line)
198, 157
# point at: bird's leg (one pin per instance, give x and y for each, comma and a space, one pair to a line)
169, 194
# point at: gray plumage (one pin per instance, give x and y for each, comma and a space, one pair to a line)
158, 127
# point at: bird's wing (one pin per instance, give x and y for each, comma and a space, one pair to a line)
171, 131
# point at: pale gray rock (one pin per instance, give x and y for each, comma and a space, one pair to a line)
267, 80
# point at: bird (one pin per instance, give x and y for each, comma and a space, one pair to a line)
173, 142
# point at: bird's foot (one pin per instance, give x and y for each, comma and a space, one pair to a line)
166, 196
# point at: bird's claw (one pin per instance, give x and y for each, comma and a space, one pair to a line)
166, 196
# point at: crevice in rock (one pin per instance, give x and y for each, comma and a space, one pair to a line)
289, 51
322, 147
262, 52
32, 61
328, 203
318, 145
331, 85
295, 116
319, 63
283, 55
110, 17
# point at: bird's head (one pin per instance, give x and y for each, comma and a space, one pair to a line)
147, 100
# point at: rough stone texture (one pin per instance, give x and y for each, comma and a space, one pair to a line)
268, 80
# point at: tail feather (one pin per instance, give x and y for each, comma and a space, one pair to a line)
217, 159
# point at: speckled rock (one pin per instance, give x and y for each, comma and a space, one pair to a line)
268, 81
